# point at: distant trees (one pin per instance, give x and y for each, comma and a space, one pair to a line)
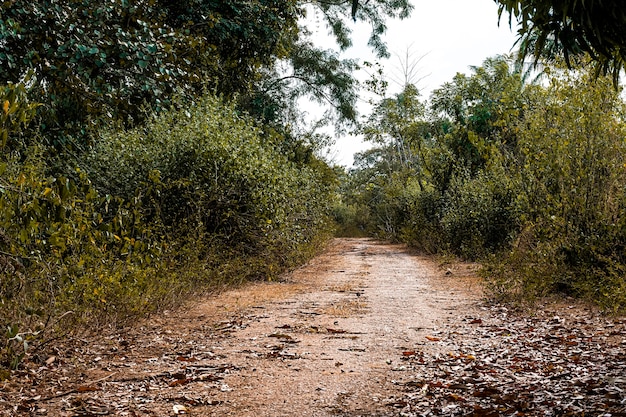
528, 178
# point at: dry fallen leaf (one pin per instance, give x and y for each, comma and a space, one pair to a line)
86, 388
335, 331
280, 336
178, 382
180, 409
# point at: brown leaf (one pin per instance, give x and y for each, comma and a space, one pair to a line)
433, 338
86, 388
455, 397
336, 331
487, 392
280, 336
179, 382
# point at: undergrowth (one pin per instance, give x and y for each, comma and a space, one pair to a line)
528, 179
197, 199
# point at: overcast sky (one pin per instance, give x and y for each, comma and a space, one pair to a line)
451, 35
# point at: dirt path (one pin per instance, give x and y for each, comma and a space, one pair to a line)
366, 329
335, 349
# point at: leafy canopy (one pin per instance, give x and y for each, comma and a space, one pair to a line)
572, 28
102, 61
97, 60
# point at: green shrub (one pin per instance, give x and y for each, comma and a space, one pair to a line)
51, 231
351, 220
211, 174
16, 112
574, 180
423, 229
479, 216
194, 200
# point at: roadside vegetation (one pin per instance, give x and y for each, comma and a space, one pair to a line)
191, 200
527, 177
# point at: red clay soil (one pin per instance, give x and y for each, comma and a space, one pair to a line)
365, 329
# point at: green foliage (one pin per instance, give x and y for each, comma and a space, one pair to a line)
552, 29
196, 198
53, 233
438, 180
528, 178
339, 14
479, 111
104, 63
214, 175
17, 111
104, 60
351, 220
573, 176
398, 122
479, 214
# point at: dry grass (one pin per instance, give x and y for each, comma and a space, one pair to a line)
346, 308
350, 286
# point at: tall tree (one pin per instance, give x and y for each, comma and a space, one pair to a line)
96, 61
398, 122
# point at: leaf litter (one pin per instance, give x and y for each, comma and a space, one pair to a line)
505, 363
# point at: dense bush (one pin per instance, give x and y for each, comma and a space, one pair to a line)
424, 230
479, 216
529, 179
67, 252
572, 145
195, 199
207, 172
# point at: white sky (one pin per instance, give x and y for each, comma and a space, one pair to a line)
451, 35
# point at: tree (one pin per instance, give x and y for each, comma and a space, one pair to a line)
571, 28
477, 113
338, 14
320, 74
93, 60
308, 71
398, 123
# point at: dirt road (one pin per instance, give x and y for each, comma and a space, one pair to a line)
335, 349
366, 329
